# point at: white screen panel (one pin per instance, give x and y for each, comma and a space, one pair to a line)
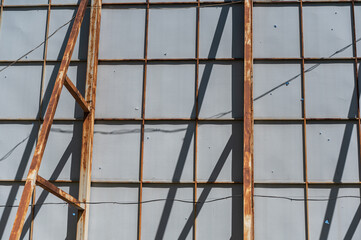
119, 91
220, 90
330, 90
168, 152
219, 152
122, 218
327, 31
122, 33
221, 32
22, 30
170, 91
24, 2
119, 1
20, 91
57, 43
17, 143
172, 33
278, 152
276, 31
221, 219
166, 219
62, 154
276, 216
116, 151
277, 90
332, 152
336, 218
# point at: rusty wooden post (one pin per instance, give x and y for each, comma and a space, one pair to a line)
88, 125
248, 183
45, 130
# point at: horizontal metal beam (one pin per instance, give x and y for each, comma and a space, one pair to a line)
48, 186
76, 94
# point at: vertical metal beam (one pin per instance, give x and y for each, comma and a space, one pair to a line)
45, 130
248, 183
304, 116
88, 125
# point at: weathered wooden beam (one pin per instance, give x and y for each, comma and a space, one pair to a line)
88, 125
76, 94
45, 130
48, 186
248, 182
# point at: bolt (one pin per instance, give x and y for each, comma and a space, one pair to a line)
287, 83
275, 26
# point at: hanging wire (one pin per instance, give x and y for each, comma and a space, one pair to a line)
300, 199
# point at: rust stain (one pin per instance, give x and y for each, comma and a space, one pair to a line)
248, 183
88, 125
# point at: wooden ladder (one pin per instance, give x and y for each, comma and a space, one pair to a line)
87, 103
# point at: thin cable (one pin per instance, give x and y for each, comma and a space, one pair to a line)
198, 202
32, 50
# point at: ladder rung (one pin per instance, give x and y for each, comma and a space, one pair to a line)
76, 94
48, 186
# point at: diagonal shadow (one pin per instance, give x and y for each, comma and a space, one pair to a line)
190, 130
341, 161
69, 151
206, 191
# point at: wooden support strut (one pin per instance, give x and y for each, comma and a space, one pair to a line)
48, 186
76, 94
248, 181
88, 125
45, 130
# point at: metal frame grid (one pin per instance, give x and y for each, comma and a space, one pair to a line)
191, 223
306, 184
143, 120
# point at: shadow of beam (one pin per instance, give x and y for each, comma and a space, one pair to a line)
190, 131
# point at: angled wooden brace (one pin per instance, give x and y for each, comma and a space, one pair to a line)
33, 178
